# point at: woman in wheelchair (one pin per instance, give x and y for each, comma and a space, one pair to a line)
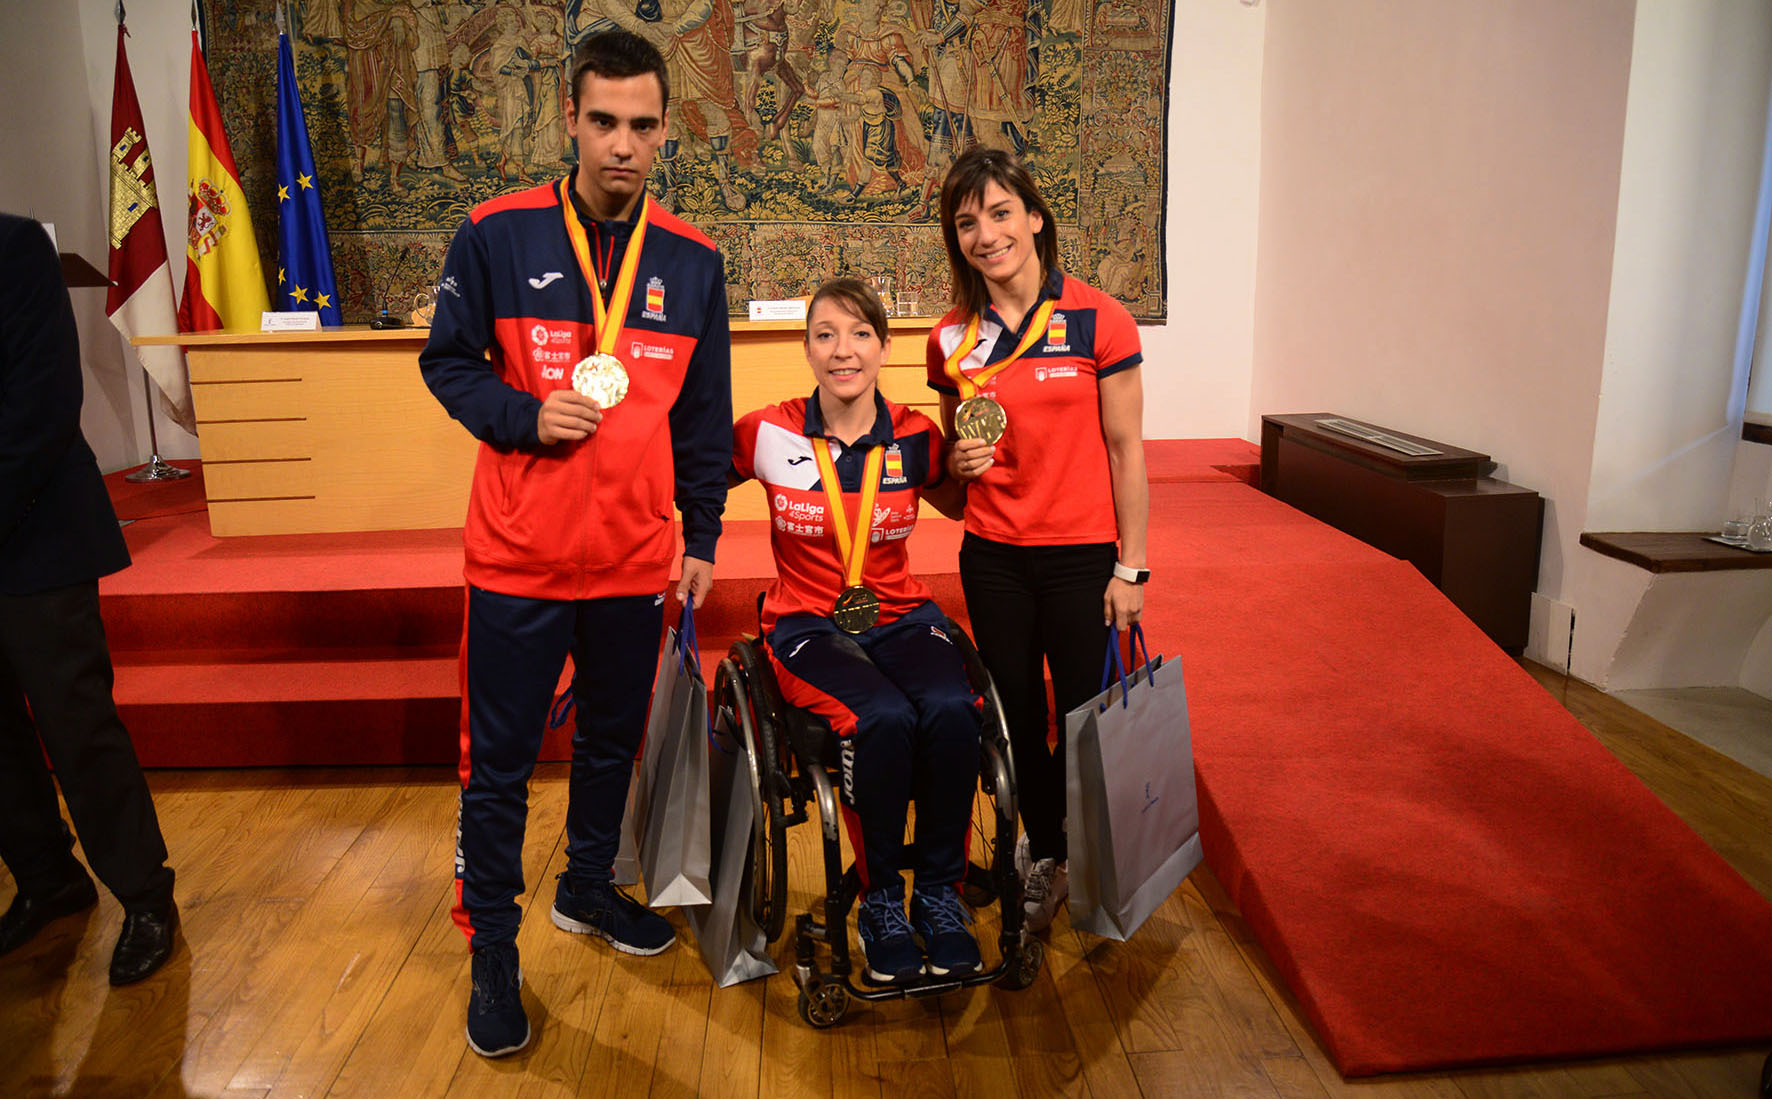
853, 637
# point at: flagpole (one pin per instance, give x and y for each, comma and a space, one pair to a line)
155, 470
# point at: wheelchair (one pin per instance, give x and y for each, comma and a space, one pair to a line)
793, 758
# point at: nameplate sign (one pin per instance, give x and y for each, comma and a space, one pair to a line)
302, 321
792, 309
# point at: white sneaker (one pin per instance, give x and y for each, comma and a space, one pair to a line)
1048, 883
1024, 858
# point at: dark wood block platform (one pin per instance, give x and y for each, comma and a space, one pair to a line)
1472, 536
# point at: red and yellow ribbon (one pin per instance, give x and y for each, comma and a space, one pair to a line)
969, 387
623, 290
852, 545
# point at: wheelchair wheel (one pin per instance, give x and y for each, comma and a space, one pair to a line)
1766, 1079
734, 688
1026, 969
825, 1006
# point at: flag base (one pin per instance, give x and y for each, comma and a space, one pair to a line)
156, 470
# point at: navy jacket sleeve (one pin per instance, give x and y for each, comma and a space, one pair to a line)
39, 368
701, 425
454, 361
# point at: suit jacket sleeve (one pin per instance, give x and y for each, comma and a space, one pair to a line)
40, 388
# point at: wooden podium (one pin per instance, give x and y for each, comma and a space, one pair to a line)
334, 430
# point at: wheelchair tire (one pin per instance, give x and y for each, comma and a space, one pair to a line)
825, 1007
769, 878
1766, 1079
1026, 969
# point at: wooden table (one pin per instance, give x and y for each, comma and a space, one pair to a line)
1472, 536
334, 430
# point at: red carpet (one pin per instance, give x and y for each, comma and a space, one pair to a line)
1445, 867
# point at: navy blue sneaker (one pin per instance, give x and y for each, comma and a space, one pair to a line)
941, 920
602, 909
889, 953
497, 1024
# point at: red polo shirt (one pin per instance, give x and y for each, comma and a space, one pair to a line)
1050, 483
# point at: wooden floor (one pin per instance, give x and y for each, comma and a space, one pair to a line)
320, 960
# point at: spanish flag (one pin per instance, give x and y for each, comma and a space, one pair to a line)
224, 281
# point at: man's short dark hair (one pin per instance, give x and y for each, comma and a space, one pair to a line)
617, 55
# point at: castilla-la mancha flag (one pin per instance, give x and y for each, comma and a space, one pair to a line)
140, 299
224, 281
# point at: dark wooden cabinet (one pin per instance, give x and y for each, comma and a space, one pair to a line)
1472, 536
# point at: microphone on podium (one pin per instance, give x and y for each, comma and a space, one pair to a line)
385, 319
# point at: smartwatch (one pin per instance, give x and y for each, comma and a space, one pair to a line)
1130, 574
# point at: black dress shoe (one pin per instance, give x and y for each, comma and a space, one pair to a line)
30, 913
144, 944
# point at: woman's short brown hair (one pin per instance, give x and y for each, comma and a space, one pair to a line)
856, 297
977, 168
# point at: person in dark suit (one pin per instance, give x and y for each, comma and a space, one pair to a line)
58, 535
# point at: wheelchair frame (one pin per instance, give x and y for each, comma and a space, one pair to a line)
779, 739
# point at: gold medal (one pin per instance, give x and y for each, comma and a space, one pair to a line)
601, 375
602, 378
980, 418
857, 610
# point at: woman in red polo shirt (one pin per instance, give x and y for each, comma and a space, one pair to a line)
1041, 392
855, 638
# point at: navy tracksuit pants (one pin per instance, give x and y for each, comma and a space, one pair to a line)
898, 697
512, 651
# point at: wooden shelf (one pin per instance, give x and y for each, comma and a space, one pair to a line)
1673, 551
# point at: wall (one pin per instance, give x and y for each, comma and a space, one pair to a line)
1693, 144
1666, 445
1198, 363
1437, 193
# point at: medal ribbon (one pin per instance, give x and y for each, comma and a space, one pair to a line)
623, 290
969, 387
852, 548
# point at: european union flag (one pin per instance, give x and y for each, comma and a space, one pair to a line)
304, 257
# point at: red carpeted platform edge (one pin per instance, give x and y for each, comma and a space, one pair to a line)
1446, 868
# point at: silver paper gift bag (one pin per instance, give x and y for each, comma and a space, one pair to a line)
1133, 816
673, 810
731, 943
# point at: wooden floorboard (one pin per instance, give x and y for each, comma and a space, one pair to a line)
321, 960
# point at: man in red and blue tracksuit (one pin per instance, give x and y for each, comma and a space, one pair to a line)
569, 540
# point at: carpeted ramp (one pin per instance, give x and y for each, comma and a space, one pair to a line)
1446, 868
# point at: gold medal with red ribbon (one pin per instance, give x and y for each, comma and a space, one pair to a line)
601, 376
978, 416
857, 607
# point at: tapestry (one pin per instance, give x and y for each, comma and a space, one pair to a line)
808, 137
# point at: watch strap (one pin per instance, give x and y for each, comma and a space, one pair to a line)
1130, 574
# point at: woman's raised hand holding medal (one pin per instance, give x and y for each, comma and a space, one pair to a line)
968, 459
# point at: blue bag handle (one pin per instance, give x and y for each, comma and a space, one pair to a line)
561, 709
689, 663
1111, 664
1140, 652
688, 653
